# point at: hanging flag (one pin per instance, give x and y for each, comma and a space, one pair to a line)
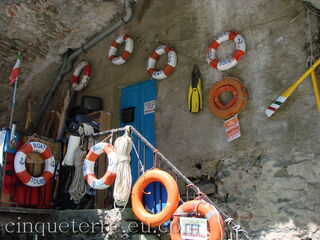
15, 71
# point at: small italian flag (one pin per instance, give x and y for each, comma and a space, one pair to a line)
15, 71
275, 105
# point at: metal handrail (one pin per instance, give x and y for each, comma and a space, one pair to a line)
235, 227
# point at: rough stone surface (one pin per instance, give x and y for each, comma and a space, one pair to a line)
42, 31
268, 180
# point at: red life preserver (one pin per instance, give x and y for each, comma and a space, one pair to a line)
81, 67
230, 61
20, 164
236, 104
127, 50
88, 166
168, 69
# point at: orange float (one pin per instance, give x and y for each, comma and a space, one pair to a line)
155, 175
204, 210
237, 103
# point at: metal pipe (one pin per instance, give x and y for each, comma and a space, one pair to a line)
67, 64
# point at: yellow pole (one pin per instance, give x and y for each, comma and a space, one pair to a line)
316, 88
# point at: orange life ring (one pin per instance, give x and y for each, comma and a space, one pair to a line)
204, 209
155, 175
237, 103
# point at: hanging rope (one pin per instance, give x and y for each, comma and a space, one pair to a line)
122, 186
78, 187
310, 59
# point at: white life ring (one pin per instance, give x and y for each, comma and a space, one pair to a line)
168, 69
88, 166
127, 50
86, 69
230, 61
20, 164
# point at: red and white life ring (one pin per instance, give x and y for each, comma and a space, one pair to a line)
20, 164
230, 61
83, 67
88, 166
168, 69
127, 49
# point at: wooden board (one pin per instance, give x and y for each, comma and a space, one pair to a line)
105, 120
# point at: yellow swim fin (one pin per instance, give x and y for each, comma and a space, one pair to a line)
195, 92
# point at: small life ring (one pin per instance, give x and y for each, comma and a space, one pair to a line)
206, 210
155, 175
230, 61
20, 164
237, 103
168, 69
88, 166
81, 67
127, 50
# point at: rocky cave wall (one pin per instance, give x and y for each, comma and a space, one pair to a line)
269, 178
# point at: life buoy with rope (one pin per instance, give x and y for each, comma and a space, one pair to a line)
168, 69
121, 38
236, 104
20, 164
85, 68
198, 208
155, 175
88, 166
230, 61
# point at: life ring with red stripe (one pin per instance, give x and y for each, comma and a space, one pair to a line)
168, 69
85, 68
20, 164
230, 61
127, 49
235, 105
88, 166
198, 208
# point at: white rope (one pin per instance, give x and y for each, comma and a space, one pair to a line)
122, 186
78, 186
311, 58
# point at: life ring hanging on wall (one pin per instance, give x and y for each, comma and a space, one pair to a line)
155, 175
85, 68
88, 166
121, 38
20, 164
236, 104
230, 61
168, 69
206, 210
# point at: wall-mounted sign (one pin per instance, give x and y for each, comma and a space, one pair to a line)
149, 107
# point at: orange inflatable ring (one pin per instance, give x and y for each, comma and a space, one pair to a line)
155, 175
237, 103
204, 209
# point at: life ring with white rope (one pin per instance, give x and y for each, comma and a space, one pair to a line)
121, 38
85, 68
230, 61
202, 209
20, 164
168, 69
88, 166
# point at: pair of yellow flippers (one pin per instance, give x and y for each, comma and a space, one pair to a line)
195, 92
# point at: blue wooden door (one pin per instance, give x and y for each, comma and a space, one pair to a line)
139, 101
138, 97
